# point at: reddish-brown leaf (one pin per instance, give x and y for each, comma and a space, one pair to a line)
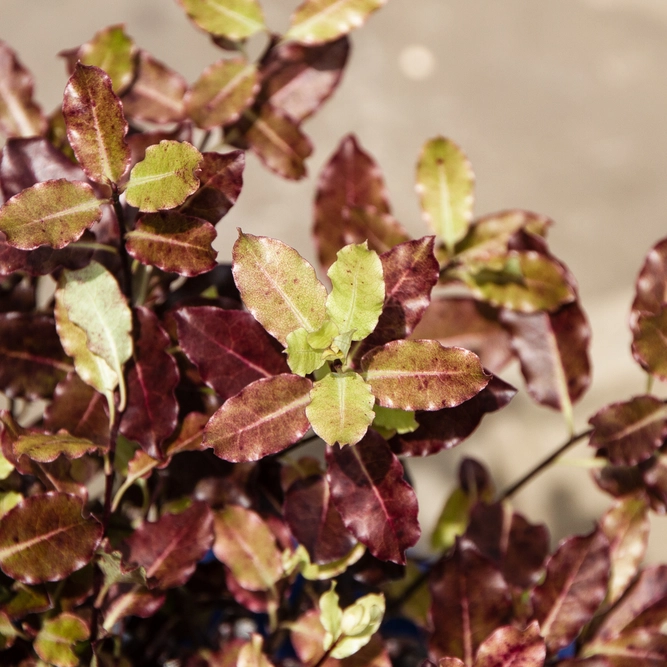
649, 341
170, 548
651, 287
229, 347
131, 600
575, 585
637, 647
376, 504
510, 647
152, 411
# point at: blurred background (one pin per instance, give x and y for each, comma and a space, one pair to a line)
561, 106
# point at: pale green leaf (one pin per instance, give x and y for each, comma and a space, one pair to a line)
301, 357
94, 302
44, 448
357, 294
9, 500
341, 408
320, 571
320, 21
114, 52
331, 616
5, 467
453, 520
395, 420
233, 19
165, 178
278, 286
57, 638
360, 622
445, 185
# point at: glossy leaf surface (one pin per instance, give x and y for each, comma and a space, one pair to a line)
423, 375
96, 126
376, 504
57, 637
233, 19
264, 418
46, 538
173, 242
52, 213
165, 177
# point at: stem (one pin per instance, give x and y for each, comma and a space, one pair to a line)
509, 492
122, 251
649, 383
204, 141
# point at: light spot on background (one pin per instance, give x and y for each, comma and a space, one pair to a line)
417, 62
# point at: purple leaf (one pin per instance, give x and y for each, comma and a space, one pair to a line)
509, 647
651, 283
229, 347
170, 548
575, 586
152, 411
376, 504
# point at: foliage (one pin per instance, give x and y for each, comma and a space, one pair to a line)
158, 511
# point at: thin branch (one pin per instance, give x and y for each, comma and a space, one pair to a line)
204, 141
509, 492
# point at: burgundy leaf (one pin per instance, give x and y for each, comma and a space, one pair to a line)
229, 347
553, 352
469, 600
314, 520
221, 180
350, 180
79, 409
173, 242
46, 538
638, 647
465, 322
630, 431
131, 600
649, 341
509, 647
170, 548
32, 360
29, 161
575, 585
376, 504
152, 411
255, 601
298, 79
446, 428
651, 287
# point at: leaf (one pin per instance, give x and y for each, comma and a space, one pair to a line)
298, 79
320, 21
32, 360
626, 526
244, 543
27, 600
649, 342
575, 585
376, 504
222, 92
464, 322
361, 620
357, 294
156, 94
630, 431
445, 182
553, 351
469, 600
453, 520
234, 19
315, 522
136, 602
52, 213
350, 182
394, 421
423, 375
152, 409
165, 177
173, 242
170, 548
639, 647
510, 647
57, 638
96, 126
94, 302
45, 448
112, 51
46, 538
278, 286
264, 418
341, 408
651, 284
19, 115
229, 347
302, 357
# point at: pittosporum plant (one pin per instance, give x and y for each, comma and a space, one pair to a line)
154, 505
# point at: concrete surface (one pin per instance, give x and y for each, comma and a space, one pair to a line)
560, 105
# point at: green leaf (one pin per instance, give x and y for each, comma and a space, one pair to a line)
278, 286
94, 302
45, 448
320, 21
331, 615
453, 520
165, 178
341, 408
394, 420
52, 213
302, 358
445, 185
361, 621
96, 126
423, 375
5, 467
114, 52
57, 637
9, 500
234, 19
357, 295
320, 571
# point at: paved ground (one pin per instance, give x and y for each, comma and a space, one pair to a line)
560, 105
